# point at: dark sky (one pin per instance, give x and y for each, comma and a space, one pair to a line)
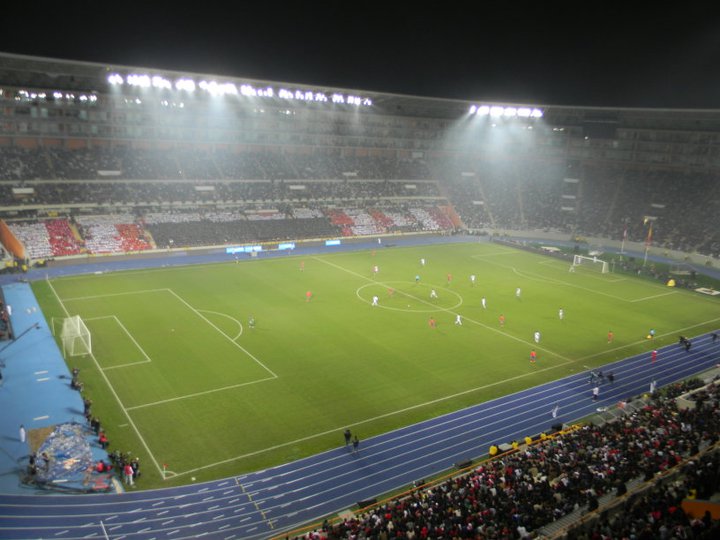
600, 56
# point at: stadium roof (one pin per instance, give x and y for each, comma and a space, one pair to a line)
32, 72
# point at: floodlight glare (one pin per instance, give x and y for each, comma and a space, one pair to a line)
114, 78
523, 112
473, 109
161, 82
187, 85
496, 111
143, 81
483, 110
536, 113
510, 111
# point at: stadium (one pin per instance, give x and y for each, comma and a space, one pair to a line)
242, 308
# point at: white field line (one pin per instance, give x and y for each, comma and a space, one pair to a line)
243, 349
129, 364
401, 411
415, 444
205, 392
412, 442
539, 277
555, 265
373, 419
240, 326
112, 294
112, 390
654, 296
639, 342
494, 253
142, 351
448, 310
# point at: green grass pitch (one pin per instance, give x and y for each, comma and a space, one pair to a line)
179, 378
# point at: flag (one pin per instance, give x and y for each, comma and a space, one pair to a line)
555, 411
648, 240
625, 233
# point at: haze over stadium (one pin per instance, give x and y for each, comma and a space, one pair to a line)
306, 269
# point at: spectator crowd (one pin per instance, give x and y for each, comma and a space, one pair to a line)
517, 494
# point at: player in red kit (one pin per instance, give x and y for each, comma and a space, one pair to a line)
653, 356
308, 296
432, 323
533, 356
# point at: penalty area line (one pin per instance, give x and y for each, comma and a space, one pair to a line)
196, 394
231, 340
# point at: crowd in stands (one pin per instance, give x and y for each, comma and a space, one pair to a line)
516, 494
522, 192
592, 200
122, 163
123, 233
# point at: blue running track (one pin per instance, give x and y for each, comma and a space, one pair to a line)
265, 503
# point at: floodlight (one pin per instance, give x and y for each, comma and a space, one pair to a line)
473, 109
510, 111
114, 78
143, 81
524, 112
161, 82
185, 84
496, 111
483, 110
536, 113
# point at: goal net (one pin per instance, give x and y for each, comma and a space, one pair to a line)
75, 337
592, 263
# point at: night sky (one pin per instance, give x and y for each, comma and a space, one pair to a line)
543, 55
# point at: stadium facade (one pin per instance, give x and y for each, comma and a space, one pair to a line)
84, 139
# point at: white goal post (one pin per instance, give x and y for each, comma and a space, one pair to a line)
75, 337
591, 262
